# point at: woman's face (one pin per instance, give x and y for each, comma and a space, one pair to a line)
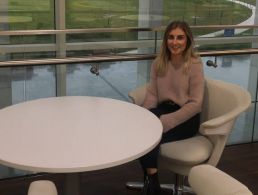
176, 42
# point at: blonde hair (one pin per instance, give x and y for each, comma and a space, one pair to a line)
164, 56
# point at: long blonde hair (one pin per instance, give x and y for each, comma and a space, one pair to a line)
164, 56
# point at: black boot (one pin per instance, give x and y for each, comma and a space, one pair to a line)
151, 185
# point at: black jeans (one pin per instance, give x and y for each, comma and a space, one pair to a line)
185, 130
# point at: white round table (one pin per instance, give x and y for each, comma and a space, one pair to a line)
75, 134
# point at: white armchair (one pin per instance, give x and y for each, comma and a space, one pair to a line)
223, 103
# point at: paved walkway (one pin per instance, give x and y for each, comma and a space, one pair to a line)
249, 21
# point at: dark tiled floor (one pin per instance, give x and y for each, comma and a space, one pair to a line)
240, 161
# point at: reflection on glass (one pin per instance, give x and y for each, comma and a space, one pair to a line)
28, 83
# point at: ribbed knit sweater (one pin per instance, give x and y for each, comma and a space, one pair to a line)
184, 88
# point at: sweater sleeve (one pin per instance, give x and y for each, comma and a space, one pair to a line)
194, 103
151, 99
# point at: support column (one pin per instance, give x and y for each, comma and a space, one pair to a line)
61, 47
5, 73
253, 75
150, 16
254, 59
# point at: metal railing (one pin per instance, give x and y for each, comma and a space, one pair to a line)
152, 42
112, 58
125, 29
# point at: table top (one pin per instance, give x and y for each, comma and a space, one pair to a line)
75, 134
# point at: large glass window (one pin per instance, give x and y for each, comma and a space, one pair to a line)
116, 79
102, 14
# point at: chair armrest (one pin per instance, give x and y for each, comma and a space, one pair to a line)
222, 125
217, 126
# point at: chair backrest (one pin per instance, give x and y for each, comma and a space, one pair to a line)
223, 103
221, 97
207, 179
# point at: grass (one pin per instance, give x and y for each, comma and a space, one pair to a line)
117, 13
125, 13
29, 5
252, 2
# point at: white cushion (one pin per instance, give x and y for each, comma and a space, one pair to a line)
190, 151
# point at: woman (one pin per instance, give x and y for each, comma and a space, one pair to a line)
174, 95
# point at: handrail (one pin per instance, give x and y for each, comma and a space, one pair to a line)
111, 58
74, 60
71, 31
229, 52
104, 30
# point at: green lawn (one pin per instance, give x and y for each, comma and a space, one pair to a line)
124, 13
119, 13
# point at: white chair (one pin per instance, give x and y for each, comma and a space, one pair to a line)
208, 180
42, 187
223, 103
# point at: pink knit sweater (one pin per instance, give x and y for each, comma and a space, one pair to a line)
185, 89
